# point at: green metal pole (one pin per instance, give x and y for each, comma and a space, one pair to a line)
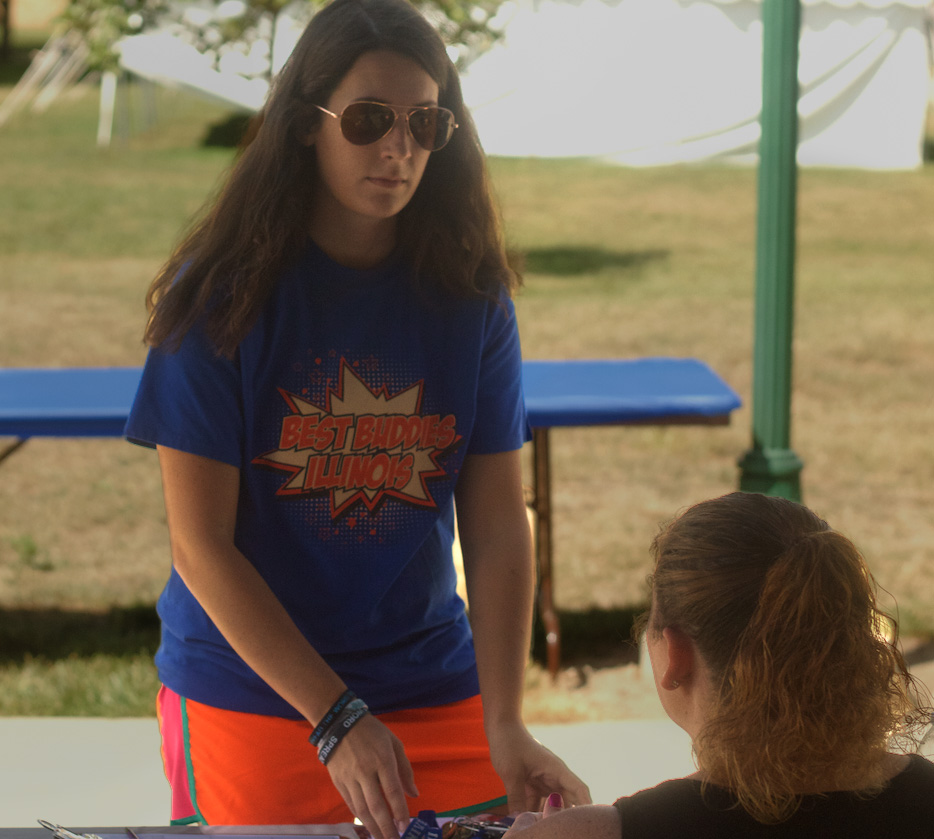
771, 467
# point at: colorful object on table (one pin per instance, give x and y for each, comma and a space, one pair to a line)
423, 826
483, 826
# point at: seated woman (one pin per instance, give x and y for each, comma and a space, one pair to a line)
769, 649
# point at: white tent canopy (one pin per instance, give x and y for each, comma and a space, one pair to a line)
637, 82
651, 82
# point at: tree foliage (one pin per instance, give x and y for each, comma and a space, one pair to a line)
465, 25
102, 23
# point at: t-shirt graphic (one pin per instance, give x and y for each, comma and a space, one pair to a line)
362, 446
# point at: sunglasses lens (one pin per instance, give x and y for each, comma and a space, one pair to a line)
431, 127
363, 123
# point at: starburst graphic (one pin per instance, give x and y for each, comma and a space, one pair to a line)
361, 446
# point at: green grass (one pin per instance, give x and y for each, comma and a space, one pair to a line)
619, 262
78, 664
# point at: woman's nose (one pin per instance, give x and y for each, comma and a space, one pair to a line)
398, 142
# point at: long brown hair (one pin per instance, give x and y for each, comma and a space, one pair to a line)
809, 684
226, 266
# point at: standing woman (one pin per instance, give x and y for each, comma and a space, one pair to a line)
334, 361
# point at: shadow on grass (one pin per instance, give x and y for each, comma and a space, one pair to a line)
569, 261
59, 634
594, 636
603, 638
599, 637
920, 653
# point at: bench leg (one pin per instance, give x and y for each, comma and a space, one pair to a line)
543, 547
9, 449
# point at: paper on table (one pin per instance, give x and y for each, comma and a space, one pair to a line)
329, 831
267, 831
343, 830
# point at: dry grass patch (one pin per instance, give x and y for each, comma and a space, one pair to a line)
619, 263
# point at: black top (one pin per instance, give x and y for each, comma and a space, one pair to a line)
903, 810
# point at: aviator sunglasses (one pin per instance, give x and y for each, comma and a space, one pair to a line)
363, 123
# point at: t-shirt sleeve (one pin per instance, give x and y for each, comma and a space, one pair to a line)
190, 400
501, 424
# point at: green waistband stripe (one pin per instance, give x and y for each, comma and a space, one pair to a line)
472, 809
192, 791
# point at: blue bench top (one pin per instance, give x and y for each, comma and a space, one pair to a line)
95, 401
616, 391
67, 401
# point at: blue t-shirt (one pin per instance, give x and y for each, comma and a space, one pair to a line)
348, 409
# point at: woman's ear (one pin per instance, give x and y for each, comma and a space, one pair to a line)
679, 658
306, 129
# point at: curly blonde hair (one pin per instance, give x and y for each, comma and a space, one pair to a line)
810, 690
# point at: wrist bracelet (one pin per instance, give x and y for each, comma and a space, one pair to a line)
346, 697
349, 717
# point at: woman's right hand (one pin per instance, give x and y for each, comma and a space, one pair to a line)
369, 766
371, 772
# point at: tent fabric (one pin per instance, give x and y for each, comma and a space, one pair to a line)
653, 82
873, 4
166, 60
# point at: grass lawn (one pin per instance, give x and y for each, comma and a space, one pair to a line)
619, 262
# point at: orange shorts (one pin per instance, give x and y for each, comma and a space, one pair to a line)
229, 767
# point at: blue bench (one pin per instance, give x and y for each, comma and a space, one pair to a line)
94, 402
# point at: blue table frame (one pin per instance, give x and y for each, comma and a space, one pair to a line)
95, 402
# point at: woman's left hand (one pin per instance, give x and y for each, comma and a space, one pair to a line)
531, 772
496, 543
553, 804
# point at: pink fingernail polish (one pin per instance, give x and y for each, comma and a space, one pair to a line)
555, 800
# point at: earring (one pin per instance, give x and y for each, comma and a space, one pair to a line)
675, 684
